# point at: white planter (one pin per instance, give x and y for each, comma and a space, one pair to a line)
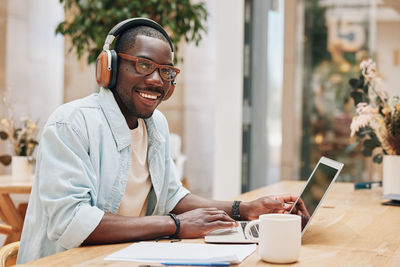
21, 169
391, 174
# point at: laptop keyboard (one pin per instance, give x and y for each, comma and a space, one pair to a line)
254, 229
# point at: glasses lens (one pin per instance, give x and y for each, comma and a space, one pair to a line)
145, 66
167, 73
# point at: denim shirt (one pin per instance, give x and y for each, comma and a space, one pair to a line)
82, 169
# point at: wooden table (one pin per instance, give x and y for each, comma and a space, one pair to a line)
12, 216
351, 228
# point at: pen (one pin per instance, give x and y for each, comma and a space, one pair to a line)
220, 263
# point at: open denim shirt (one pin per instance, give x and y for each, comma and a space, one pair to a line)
81, 173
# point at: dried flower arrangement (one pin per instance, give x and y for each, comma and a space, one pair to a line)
22, 135
377, 123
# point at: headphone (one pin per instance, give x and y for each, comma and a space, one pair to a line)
107, 61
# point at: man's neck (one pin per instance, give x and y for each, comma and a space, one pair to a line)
132, 121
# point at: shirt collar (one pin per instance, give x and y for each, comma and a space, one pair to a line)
115, 119
118, 125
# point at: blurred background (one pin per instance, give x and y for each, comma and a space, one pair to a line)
261, 97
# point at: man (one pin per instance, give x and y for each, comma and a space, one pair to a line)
104, 163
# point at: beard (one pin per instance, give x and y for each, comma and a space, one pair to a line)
129, 107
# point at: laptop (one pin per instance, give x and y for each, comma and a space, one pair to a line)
318, 184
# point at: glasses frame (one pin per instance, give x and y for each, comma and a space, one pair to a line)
157, 66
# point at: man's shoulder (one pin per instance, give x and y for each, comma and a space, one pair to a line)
69, 112
159, 119
159, 116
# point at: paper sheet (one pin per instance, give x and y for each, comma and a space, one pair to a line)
182, 252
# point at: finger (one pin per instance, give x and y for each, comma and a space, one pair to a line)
275, 203
287, 206
216, 212
220, 225
219, 217
289, 198
210, 209
302, 206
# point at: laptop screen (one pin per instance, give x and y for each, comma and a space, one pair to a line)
316, 188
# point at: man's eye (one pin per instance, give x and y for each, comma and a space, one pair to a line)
166, 71
144, 65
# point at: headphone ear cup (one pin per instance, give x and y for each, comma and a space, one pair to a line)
171, 90
102, 74
114, 70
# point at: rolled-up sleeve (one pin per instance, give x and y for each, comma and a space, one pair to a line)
67, 185
175, 189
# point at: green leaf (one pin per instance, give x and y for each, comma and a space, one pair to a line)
367, 152
5, 159
3, 135
368, 146
93, 19
354, 83
358, 97
378, 158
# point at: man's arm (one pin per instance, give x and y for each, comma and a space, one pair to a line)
194, 223
116, 228
247, 210
198, 216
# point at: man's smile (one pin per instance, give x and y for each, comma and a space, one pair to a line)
149, 97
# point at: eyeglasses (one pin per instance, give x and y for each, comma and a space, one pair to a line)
145, 66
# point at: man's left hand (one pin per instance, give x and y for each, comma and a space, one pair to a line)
277, 204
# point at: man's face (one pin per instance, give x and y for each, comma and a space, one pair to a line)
139, 94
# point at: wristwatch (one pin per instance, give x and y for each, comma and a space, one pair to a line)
235, 210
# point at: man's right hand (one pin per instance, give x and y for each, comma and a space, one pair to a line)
199, 222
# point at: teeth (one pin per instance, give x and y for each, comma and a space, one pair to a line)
148, 96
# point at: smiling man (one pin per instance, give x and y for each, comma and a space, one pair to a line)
104, 172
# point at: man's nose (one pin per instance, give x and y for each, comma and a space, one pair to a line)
154, 78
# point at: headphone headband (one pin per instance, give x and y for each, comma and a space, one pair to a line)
132, 23
107, 61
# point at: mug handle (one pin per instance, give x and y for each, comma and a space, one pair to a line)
247, 230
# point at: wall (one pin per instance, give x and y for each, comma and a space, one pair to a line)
292, 91
229, 97
34, 59
213, 103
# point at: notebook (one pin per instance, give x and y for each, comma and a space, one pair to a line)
182, 253
318, 184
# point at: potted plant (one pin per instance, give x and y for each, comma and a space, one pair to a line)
22, 137
91, 20
377, 123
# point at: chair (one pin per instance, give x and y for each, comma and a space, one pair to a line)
176, 155
8, 254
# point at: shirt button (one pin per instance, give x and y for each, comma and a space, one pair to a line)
123, 182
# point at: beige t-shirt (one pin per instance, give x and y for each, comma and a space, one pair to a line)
134, 201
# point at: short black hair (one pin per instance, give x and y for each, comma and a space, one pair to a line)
127, 39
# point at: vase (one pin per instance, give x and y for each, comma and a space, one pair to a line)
21, 169
391, 174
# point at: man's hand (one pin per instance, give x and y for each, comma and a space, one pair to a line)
276, 204
199, 222
301, 210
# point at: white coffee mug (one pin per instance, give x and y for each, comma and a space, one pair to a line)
279, 237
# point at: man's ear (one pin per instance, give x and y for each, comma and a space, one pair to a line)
170, 92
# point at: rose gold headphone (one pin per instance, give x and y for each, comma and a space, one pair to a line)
107, 61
